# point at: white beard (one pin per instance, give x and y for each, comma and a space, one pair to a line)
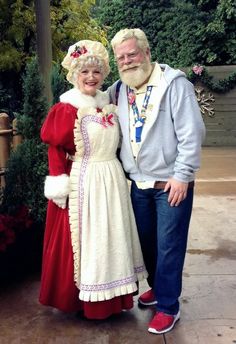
136, 77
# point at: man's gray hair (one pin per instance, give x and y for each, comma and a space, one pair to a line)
126, 34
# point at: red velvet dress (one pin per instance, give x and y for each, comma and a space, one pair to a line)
58, 288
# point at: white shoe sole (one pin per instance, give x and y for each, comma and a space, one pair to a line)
153, 330
147, 303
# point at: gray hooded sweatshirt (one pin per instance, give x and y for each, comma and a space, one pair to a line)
172, 145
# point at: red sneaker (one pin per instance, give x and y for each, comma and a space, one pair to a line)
148, 298
162, 322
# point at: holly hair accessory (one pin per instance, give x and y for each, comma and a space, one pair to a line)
79, 51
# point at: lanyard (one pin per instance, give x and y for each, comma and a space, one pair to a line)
139, 118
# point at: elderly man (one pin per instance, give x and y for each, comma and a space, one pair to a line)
162, 132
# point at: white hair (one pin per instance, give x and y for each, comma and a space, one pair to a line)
126, 34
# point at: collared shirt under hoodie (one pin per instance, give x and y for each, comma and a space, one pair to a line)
153, 81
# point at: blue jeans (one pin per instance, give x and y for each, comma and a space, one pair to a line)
163, 233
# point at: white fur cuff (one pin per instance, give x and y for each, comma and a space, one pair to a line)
57, 186
60, 202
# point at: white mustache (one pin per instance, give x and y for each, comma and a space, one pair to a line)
131, 67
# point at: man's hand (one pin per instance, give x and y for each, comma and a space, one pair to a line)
178, 191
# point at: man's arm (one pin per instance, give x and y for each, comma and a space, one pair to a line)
190, 132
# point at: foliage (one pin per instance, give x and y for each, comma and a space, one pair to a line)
4, 99
70, 22
17, 27
180, 32
34, 105
27, 165
12, 225
59, 84
219, 37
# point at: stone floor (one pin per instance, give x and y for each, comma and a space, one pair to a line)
208, 302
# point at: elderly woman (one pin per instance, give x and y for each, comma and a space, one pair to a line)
91, 257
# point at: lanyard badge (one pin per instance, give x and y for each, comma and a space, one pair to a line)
139, 118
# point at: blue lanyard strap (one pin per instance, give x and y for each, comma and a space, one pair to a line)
139, 118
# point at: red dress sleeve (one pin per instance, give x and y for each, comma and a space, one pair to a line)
58, 132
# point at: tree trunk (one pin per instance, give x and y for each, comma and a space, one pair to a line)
44, 44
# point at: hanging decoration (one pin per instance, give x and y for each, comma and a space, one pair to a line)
199, 73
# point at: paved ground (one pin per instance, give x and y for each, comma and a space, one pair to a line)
208, 302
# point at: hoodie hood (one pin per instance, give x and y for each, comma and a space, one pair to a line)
171, 74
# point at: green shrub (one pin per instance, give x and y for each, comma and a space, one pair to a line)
27, 165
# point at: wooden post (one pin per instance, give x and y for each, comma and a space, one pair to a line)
5, 136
